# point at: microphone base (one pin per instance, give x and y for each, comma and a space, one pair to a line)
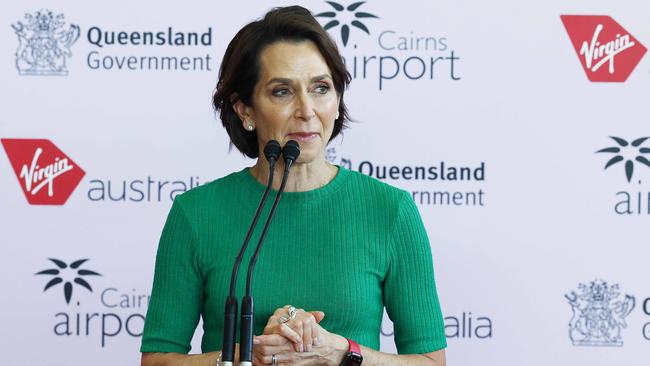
246, 363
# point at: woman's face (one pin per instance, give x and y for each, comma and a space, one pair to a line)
294, 99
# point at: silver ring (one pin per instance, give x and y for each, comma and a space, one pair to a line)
274, 360
284, 319
292, 312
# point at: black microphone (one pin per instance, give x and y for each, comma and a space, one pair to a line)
291, 151
272, 153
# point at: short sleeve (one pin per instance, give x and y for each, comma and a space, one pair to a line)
177, 293
410, 294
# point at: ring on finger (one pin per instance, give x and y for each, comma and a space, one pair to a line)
292, 312
274, 360
284, 319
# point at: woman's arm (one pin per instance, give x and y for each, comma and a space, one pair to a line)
376, 358
176, 297
179, 359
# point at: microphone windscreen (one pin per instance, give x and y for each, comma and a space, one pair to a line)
272, 150
291, 150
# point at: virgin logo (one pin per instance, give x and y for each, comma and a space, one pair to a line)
601, 53
600, 41
46, 175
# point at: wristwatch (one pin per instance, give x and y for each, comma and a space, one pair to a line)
353, 357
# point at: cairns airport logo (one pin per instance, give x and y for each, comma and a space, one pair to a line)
105, 314
47, 176
599, 312
632, 159
45, 44
635, 151
340, 11
394, 53
79, 274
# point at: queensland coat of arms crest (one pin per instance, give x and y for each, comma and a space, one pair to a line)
599, 312
332, 157
44, 43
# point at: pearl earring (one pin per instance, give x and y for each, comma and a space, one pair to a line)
250, 126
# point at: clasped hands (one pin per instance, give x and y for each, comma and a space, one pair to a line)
297, 340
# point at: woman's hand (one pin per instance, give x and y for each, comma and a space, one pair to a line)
265, 346
330, 353
301, 329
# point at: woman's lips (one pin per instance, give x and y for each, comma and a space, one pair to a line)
303, 136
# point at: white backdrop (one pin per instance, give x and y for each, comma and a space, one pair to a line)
507, 97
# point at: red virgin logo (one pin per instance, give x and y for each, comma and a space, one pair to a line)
606, 50
46, 175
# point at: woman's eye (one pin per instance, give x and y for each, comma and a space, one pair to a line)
322, 88
282, 92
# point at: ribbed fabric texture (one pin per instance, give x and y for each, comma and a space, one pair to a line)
348, 249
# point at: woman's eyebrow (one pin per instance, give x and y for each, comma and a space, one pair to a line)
279, 80
321, 77
289, 81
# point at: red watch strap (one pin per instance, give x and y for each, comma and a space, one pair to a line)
354, 346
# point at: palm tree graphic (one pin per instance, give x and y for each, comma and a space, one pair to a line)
629, 164
67, 286
345, 28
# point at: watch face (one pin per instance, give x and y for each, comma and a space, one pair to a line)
354, 359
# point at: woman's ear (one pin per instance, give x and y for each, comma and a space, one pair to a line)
242, 110
338, 105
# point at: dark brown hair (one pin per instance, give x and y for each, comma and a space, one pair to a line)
240, 68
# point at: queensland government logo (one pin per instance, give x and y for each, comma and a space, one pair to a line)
44, 43
606, 50
599, 312
443, 173
46, 175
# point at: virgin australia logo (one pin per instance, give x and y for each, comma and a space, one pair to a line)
599, 314
343, 12
607, 51
44, 43
38, 163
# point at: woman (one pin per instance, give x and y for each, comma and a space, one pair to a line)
342, 244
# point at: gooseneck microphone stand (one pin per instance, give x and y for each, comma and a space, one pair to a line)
290, 151
272, 153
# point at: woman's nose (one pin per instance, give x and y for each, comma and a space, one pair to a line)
305, 107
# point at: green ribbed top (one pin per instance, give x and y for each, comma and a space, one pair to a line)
349, 248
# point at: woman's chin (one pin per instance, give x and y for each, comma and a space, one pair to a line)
309, 154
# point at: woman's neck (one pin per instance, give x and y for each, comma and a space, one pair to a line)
303, 176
